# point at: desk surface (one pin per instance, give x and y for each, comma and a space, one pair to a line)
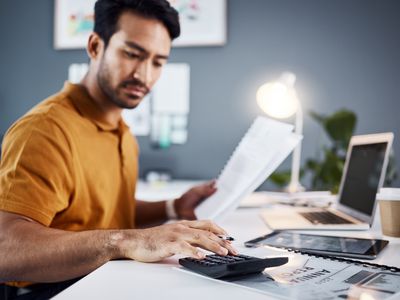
135, 280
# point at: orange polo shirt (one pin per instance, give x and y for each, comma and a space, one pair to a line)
67, 168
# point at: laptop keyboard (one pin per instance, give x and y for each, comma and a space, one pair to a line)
324, 217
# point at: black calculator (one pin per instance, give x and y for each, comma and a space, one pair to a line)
217, 266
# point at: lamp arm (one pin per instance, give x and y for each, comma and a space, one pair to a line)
294, 185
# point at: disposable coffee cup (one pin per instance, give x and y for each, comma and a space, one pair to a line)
389, 206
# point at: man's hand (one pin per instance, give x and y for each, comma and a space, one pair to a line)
185, 205
156, 243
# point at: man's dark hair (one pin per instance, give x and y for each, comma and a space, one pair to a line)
107, 13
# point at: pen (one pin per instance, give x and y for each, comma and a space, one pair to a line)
226, 238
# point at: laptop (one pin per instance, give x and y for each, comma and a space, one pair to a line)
363, 175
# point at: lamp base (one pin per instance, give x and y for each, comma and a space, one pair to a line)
294, 187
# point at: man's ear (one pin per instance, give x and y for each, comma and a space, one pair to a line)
95, 46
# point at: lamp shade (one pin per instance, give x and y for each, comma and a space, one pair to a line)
278, 99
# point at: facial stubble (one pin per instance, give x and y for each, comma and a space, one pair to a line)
104, 82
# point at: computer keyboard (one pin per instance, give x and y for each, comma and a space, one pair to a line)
217, 266
324, 217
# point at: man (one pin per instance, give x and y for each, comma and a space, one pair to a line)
69, 166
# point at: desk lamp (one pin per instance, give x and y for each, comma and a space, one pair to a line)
278, 99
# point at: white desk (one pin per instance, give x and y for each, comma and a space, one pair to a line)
157, 191
134, 280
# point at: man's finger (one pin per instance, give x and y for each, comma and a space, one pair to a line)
206, 189
203, 241
209, 240
230, 248
186, 249
212, 184
205, 225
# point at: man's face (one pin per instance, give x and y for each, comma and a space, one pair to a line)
132, 62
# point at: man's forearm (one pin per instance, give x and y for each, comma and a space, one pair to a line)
40, 254
150, 213
32, 252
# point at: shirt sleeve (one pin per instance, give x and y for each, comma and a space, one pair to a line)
35, 170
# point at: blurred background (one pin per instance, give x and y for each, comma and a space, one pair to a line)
345, 54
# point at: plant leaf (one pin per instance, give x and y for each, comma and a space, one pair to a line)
340, 127
317, 117
280, 178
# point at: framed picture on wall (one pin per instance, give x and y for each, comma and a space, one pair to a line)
203, 22
73, 22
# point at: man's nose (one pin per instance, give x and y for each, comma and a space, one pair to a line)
143, 72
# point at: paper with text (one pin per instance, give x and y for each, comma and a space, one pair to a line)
263, 148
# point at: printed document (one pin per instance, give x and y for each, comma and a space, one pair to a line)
263, 148
316, 278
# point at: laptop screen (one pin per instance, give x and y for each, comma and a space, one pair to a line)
362, 178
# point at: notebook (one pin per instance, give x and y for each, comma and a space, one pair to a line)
263, 148
363, 175
315, 277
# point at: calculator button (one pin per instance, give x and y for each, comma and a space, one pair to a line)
238, 259
214, 260
244, 256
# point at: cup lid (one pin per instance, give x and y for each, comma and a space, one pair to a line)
389, 194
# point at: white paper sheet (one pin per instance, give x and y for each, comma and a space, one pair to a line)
264, 147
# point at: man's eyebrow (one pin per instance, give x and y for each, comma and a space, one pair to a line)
141, 49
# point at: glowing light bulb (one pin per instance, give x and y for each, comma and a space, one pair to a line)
277, 99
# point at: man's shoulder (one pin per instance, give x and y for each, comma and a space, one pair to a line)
54, 113
57, 107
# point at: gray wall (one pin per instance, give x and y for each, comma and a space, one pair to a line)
346, 54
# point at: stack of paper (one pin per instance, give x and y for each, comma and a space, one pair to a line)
264, 147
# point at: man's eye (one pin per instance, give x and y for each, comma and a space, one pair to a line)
131, 54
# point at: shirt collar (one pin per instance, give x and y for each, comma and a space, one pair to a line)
88, 108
